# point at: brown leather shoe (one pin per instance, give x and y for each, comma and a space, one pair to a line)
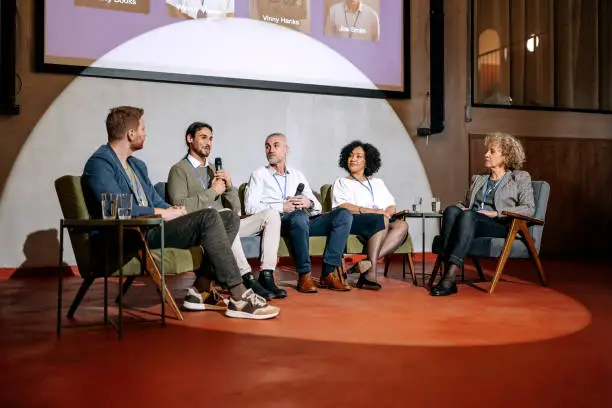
305, 284
333, 283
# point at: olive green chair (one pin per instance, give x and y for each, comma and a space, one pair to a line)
91, 258
354, 246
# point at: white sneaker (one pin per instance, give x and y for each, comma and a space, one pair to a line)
251, 306
204, 301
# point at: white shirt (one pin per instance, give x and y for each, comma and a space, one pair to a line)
212, 8
266, 189
352, 191
195, 162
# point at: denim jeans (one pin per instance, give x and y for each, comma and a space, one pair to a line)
460, 227
297, 226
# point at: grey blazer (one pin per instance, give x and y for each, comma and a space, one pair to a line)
514, 193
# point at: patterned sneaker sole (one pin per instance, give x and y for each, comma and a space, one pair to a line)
244, 315
199, 307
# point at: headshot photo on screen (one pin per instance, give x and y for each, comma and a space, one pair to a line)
353, 19
197, 9
293, 14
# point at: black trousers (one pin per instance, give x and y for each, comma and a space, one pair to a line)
460, 227
214, 231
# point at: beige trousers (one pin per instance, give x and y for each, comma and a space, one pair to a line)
268, 223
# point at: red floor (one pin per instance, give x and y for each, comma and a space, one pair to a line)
525, 346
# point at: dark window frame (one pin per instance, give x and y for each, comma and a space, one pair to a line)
474, 76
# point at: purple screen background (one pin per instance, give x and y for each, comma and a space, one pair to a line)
89, 33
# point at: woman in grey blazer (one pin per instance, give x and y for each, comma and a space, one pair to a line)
504, 187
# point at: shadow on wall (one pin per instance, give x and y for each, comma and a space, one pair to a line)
41, 248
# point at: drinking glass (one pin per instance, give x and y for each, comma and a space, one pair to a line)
125, 206
109, 206
416, 204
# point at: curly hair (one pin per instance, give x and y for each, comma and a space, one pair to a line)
372, 157
511, 148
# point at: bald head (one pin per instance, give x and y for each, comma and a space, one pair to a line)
276, 148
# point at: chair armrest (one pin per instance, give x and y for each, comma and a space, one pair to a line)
523, 217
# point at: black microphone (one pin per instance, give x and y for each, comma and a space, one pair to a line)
299, 190
218, 164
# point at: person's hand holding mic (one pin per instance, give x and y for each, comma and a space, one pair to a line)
299, 201
222, 174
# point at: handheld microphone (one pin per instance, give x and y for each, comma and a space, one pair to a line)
218, 164
300, 189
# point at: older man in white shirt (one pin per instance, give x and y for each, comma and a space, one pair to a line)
278, 186
196, 9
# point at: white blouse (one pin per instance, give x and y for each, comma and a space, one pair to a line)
369, 195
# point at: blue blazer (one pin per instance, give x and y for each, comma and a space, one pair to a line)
104, 173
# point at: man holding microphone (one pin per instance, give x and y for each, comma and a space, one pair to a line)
194, 184
273, 187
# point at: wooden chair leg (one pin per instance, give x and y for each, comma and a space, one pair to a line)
514, 228
411, 268
532, 250
155, 275
387, 262
479, 269
435, 270
340, 275
79, 296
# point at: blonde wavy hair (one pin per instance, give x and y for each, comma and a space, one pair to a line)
511, 148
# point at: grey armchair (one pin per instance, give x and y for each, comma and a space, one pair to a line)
528, 229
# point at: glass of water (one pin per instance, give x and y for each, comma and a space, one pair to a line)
109, 206
416, 204
124, 210
435, 204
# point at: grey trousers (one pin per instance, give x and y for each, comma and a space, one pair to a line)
214, 231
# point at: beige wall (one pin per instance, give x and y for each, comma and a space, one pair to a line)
445, 156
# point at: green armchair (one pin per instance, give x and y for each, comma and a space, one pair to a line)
91, 260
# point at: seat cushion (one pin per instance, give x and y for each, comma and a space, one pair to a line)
492, 248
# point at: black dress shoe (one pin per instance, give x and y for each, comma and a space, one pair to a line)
364, 283
440, 290
251, 283
266, 279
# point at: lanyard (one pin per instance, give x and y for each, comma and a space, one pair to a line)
136, 185
488, 191
204, 186
370, 189
284, 193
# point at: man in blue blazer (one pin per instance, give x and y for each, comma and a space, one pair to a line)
112, 169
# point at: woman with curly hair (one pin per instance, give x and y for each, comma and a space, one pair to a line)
504, 187
372, 206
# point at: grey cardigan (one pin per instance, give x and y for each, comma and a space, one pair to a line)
514, 193
184, 188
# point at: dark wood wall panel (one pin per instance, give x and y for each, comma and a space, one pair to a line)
579, 171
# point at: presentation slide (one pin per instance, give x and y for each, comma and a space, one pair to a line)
368, 35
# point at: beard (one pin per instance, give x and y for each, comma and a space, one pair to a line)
202, 152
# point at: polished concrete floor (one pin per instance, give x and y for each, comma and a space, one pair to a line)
524, 346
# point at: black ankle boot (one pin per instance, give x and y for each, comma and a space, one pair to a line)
251, 283
447, 285
266, 279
